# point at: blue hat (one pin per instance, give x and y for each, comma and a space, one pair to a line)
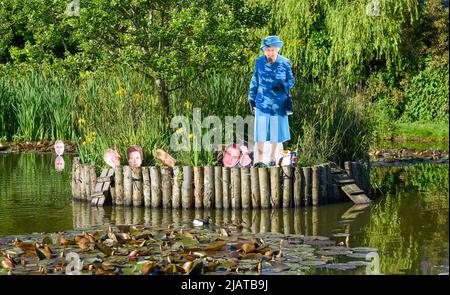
271, 41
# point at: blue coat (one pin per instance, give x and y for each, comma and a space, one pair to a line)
269, 88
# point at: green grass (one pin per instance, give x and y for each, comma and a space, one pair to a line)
424, 131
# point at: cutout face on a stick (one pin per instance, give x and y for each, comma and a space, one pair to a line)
135, 157
59, 147
111, 157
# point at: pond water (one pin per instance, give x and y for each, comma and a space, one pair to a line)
408, 224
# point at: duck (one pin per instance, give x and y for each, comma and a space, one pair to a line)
201, 222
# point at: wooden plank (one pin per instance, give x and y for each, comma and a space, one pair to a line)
357, 199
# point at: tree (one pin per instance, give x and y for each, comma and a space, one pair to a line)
171, 41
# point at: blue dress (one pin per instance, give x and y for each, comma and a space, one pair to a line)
270, 84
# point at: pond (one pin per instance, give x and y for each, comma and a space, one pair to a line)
408, 224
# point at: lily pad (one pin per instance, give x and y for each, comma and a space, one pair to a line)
365, 249
313, 262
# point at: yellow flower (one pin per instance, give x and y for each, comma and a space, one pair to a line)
180, 130
93, 134
121, 91
81, 121
188, 104
191, 136
84, 143
89, 139
138, 95
121, 84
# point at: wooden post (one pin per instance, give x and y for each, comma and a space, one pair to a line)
208, 185
347, 168
264, 187
136, 175
246, 188
198, 187
226, 185
92, 180
330, 191
146, 186
315, 185
118, 180
275, 194
354, 168
256, 220
166, 184
155, 184
218, 187
236, 198
298, 186
307, 185
76, 178
127, 186
287, 186
187, 189
254, 179
323, 185
176, 188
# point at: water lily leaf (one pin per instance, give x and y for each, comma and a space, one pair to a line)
177, 246
357, 255
341, 266
312, 262
365, 249
189, 242
47, 240
103, 248
196, 268
314, 238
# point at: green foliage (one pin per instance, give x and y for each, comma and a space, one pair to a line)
426, 97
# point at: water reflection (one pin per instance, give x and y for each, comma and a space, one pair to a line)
300, 221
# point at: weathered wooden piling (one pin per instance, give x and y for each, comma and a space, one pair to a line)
118, 184
323, 185
315, 185
330, 192
298, 186
246, 188
127, 186
187, 189
218, 187
208, 186
307, 185
155, 184
287, 186
92, 179
226, 175
136, 175
236, 198
146, 186
198, 187
87, 182
275, 190
264, 187
166, 187
176, 187
254, 179
76, 178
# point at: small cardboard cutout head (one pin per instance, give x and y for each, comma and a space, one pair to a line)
111, 157
59, 147
135, 156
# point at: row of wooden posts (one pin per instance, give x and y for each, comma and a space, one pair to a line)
218, 187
